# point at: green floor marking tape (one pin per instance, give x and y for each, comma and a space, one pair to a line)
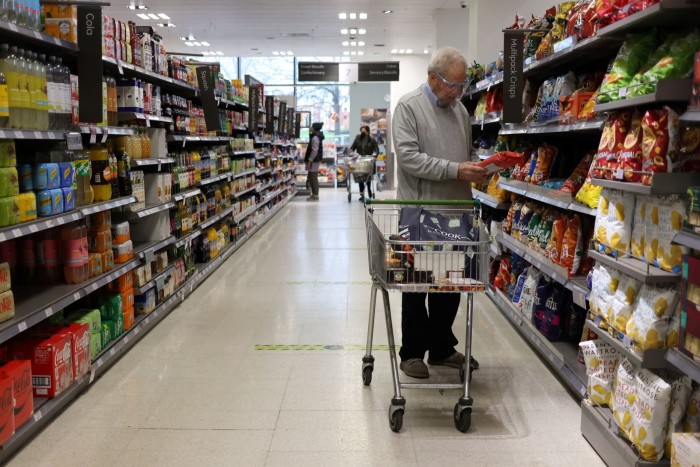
319, 347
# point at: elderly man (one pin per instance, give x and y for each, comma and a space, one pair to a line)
432, 137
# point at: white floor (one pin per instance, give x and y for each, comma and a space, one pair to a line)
195, 391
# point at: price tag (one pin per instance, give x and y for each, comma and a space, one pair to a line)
148, 122
33, 228
38, 415
17, 134
74, 141
112, 351
184, 142
148, 255
94, 286
13, 27
105, 134
22, 326
126, 339
48, 312
580, 299
38, 135
598, 320
137, 329
93, 135
119, 67
627, 342
92, 374
622, 92
146, 320
2, 237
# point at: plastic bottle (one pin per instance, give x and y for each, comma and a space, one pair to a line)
112, 110
52, 93
124, 170
63, 80
48, 255
83, 175
75, 256
24, 70
12, 71
33, 118
41, 97
113, 170
101, 175
4, 102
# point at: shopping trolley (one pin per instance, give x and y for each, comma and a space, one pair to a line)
361, 169
424, 266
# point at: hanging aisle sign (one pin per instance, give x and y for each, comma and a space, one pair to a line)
282, 122
378, 71
90, 63
513, 75
316, 71
206, 88
289, 131
254, 108
348, 72
297, 125
269, 114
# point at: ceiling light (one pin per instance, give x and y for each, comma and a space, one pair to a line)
342, 16
219, 53
275, 53
205, 44
363, 15
153, 16
137, 7
353, 15
166, 25
394, 51
402, 51
359, 52
187, 38
386, 12
346, 43
344, 31
353, 43
189, 44
361, 44
205, 53
353, 53
346, 53
426, 51
290, 53
409, 51
353, 31
163, 16
198, 44
142, 15
362, 31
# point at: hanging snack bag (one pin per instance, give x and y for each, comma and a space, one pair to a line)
630, 159
672, 210
572, 247
527, 297
688, 159
623, 301
542, 293
681, 390
546, 154
660, 143
552, 322
589, 194
545, 232
650, 414
640, 225
692, 415
556, 241
648, 325
611, 143
601, 360
624, 393
618, 227
576, 180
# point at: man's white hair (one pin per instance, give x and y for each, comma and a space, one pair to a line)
444, 58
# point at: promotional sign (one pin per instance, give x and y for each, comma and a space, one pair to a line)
269, 114
316, 71
253, 110
206, 87
90, 63
513, 76
290, 122
378, 71
282, 122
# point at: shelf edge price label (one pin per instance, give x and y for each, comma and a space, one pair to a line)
74, 141
22, 326
38, 416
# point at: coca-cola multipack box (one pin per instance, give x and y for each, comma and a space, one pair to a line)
7, 406
52, 366
80, 347
21, 373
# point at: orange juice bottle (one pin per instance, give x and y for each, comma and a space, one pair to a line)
101, 173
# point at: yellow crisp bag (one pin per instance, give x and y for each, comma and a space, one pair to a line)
605, 282
642, 211
672, 211
681, 390
692, 415
648, 325
601, 361
650, 414
624, 392
623, 302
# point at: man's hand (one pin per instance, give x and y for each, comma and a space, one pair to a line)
308, 165
470, 172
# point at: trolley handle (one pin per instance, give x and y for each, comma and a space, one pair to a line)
425, 202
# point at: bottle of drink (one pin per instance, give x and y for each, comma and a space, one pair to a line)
101, 175
112, 110
83, 172
48, 257
42, 101
32, 115
113, 170
65, 93
124, 169
4, 100
52, 93
17, 94
74, 253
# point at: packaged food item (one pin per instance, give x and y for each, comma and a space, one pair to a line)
614, 221
68, 199
601, 360
95, 264
650, 414
21, 373
623, 301
640, 225
576, 180
589, 194
660, 143
672, 209
513, 212
521, 221
542, 293
611, 143
9, 182
692, 414
107, 260
146, 302
556, 240
572, 246
123, 252
603, 288
8, 153
648, 325
623, 395
545, 230
674, 329
688, 159
545, 160
127, 300
553, 320
630, 158
533, 231
502, 160
120, 233
681, 390
7, 306
685, 450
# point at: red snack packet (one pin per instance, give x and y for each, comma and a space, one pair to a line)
660, 142
614, 134
578, 177
553, 250
502, 160
630, 160
572, 246
545, 160
688, 159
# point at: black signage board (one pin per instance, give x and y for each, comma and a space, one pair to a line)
378, 71
297, 125
253, 108
269, 114
282, 122
513, 76
290, 122
206, 88
318, 71
90, 63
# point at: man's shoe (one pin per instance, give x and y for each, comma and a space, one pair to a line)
456, 360
362, 199
473, 363
312, 198
415, 368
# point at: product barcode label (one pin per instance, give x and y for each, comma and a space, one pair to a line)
33, 228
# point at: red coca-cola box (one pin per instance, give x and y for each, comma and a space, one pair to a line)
21, 373
7, 406
80, 348
52, 367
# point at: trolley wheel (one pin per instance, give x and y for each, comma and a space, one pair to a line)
367, 375
462, 373
395, 418
463, 417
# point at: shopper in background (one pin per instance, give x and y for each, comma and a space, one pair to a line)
313, 158
432, 136
365, 145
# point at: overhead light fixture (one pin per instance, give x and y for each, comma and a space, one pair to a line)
363, 15
153, 16
353, 53
353, 43
362, 31
163, 16
361, 43
394, 51
198, 44
386, 12
205, 44
353, 31
342, 16
142, 15
290, 53
402, 51
426, 51
409, 51
219, 53
166, 25
275, 53
359, 52
344, 31
346, 43
346, 52
353, 15
137, 7
188, 38
189, 44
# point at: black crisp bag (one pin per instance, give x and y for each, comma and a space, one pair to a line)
553, 323
542, 293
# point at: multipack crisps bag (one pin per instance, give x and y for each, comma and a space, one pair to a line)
502, 160
692, 415
688, 159
674, 329
572, 246
661, 142
589, 194
542, 293
546, 154
630, 158
606, 281
556, 240
508, 222
601, 361
545, 231
681, 390
527, 296
623, 302
624, 393
649, 323
553, 321
640, 225
650, 414
611, 143
614, 220
576, 180
672, 210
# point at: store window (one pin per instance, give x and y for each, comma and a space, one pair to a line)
269, 70
328, 103
229, 67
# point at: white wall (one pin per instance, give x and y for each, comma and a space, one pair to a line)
413, 71
366, 96
451, 29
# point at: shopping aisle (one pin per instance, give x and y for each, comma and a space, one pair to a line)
201, 388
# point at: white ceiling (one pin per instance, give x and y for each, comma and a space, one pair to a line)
238, 27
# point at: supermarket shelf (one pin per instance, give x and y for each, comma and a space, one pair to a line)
652, 359
667, 90
691, 116
666, 13
154, 161
592, 126
107, 205
187, 194
636, 268
36, 304
28, 228
582, 209
107, 130
140, 116
241, 216
485, 84
556, 272
489, 200
241, 153
188, 238
243, 192
684, 363
599, 429
150, 76
570, 54
216, 218
148, 285
264, 187
144, 249
567, 368
150, 210
22, 34
552, 197
32, 134
192, 139
661, 183
263, 172
689, 239
214, 179
489, 120
244, 173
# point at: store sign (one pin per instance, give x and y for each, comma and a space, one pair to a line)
378, 71
297, 125
281, 123
316, 71
269, 114
253, 110
290, 122
206, 88
90, 63
513, 76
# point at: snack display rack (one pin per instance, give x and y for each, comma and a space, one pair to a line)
36, 304
597, 423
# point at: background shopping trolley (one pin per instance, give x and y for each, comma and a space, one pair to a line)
444, 266
360, 169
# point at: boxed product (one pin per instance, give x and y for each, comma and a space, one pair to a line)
122, 283
123, 252
7, 418
127, 299
5, 278
64, 28
91, 317
120, 233
57, 10
100, 221
685, 451
7, 306
128, 318
146, 302
142, 275
79, 334
21, 373
52, 368
160, 262
95, 343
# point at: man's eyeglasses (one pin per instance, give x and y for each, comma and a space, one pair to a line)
459, 87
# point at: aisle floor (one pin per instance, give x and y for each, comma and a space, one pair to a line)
197, 391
